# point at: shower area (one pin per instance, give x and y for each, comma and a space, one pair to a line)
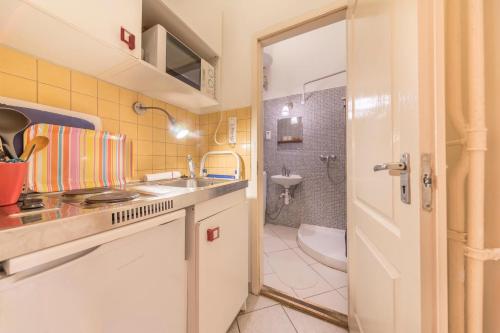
304, 161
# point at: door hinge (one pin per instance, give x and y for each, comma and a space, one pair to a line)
426, 182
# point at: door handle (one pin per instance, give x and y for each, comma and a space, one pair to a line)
396, 166
401, 169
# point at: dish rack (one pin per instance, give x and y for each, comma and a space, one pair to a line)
237, 171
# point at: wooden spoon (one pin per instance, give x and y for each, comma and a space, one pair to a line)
34, 146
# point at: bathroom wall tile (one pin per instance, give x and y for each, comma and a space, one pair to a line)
16, 87
128, 97
129, 129
319, 199
159, 148
159, 162
145, 147
16, 63
83, 84
145, 163
83, 103
108, 91
159, 134
54, 75
53, 96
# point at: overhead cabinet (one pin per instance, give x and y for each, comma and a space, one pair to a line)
103, 39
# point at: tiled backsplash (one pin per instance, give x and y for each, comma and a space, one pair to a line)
26, 78
317, 200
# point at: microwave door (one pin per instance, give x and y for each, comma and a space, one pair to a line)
183, 63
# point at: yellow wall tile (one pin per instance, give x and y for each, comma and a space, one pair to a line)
54, 75
144, 133
110, 125
159, 119
127, 114
145, 147
83, 103
83, 84
158, 162
17, 87
108, 91
170, 162
128, 97
129, 129
171, 149
108, 109
145, 163
17, 63
159, 135
159, 148
54, 96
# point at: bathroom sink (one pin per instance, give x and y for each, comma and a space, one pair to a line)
287, 181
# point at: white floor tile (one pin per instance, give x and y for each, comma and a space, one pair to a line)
273, 243
331, 300
265, 265
337, 279
258, 302
308, 324
287, 234
318, 288
304, 256
234, 327
292, 270
343, 291
272, 280
268, 320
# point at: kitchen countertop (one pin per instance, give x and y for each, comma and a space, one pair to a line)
23, 232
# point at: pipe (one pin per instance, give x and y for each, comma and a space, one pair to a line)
476, 149
303, 98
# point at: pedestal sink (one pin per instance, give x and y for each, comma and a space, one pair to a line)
286, 182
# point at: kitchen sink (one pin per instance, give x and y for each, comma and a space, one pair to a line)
193, 183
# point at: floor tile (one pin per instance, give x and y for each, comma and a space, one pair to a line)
272, 242
292, 270
265, 265
286, 234
343, 291
272, 280
335, 278
304, 256
268, 320
331, 300
258, 302
234, 327
318, 288
308, 324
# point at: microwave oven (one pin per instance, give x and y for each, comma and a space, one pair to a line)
167, 53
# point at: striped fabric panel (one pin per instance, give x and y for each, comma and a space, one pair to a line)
77, 158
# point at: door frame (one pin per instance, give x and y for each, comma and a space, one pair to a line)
432, 87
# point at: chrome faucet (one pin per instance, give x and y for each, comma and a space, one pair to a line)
190, 163
285, 172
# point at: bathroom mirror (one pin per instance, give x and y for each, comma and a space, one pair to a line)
290, 130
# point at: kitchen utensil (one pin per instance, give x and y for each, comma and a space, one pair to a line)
3, 157
12, 123
34, 146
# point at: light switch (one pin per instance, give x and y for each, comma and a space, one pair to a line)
268, 135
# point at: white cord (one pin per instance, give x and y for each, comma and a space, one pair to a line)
217, 129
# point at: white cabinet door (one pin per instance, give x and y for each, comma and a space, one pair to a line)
101, 19
134, 284
222, 268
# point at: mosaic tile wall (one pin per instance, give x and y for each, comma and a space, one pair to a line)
318, 200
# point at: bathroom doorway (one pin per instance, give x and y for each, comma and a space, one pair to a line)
304, 120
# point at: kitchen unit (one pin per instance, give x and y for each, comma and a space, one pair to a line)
115, 260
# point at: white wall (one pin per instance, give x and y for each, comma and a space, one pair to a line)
307, 57
242, 19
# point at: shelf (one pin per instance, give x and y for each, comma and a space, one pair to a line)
148, 80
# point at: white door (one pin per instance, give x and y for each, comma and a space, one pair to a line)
383, 123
